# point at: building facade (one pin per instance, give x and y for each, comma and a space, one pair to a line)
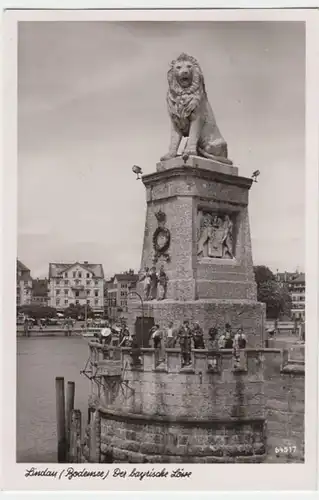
78, 284
40, 292
297, 289
117, 292
23, 285
107, 283
296, 284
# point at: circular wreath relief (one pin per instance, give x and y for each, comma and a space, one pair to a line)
161, 240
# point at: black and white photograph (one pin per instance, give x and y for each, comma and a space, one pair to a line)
161, 251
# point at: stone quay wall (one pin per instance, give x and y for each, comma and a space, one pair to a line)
211, 412
284, 390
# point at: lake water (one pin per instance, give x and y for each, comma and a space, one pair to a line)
39, 361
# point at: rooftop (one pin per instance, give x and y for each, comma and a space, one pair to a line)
126, 277
21, 266
299, 278
56, 269
295, 277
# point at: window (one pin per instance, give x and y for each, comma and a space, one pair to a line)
88, 292
74, 274
66, 292
88, 301
77, 302
87, 275
79, 274
96, 301
57, 302
96, 282
57, 282
66, 301
96, 293
66, 282
58, 292
88, 282
77, 282
65, 275
123, 286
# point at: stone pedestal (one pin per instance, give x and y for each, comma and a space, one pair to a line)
190, 205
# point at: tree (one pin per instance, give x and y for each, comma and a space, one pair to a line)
37, 311
274, 294
263, 274
276, 298
76, 311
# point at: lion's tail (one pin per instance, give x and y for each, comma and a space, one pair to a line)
222, 159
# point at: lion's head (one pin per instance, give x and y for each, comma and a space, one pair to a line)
185, 75
185, 90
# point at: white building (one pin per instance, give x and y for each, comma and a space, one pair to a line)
297, 289
296, 284
77, 283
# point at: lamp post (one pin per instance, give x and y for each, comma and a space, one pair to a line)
133, 292
83, 295
86, 314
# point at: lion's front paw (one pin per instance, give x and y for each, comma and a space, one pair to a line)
189, 152
168, 156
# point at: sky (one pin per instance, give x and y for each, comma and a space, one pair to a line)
91, 104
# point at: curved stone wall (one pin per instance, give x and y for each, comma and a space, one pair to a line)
209, 412
131, 438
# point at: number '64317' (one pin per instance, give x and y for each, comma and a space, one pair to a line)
285, 449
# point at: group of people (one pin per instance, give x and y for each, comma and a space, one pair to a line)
122, 336
227, 339
216, 340
190, 335
155, 283
27, 325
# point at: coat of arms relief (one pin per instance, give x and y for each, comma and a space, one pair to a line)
215, 235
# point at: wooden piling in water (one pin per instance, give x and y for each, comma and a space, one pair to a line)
70, 394
75, 450
60, 418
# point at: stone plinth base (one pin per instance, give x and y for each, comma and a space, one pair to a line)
249, 315
198, 162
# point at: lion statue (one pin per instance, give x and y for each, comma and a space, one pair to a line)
191, 114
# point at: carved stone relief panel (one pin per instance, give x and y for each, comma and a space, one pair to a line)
161, 238
215, 234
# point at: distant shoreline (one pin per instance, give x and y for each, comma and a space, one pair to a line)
52, 332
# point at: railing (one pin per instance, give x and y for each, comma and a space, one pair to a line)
109, 361
170, 359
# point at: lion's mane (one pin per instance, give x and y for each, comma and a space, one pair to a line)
182, 102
